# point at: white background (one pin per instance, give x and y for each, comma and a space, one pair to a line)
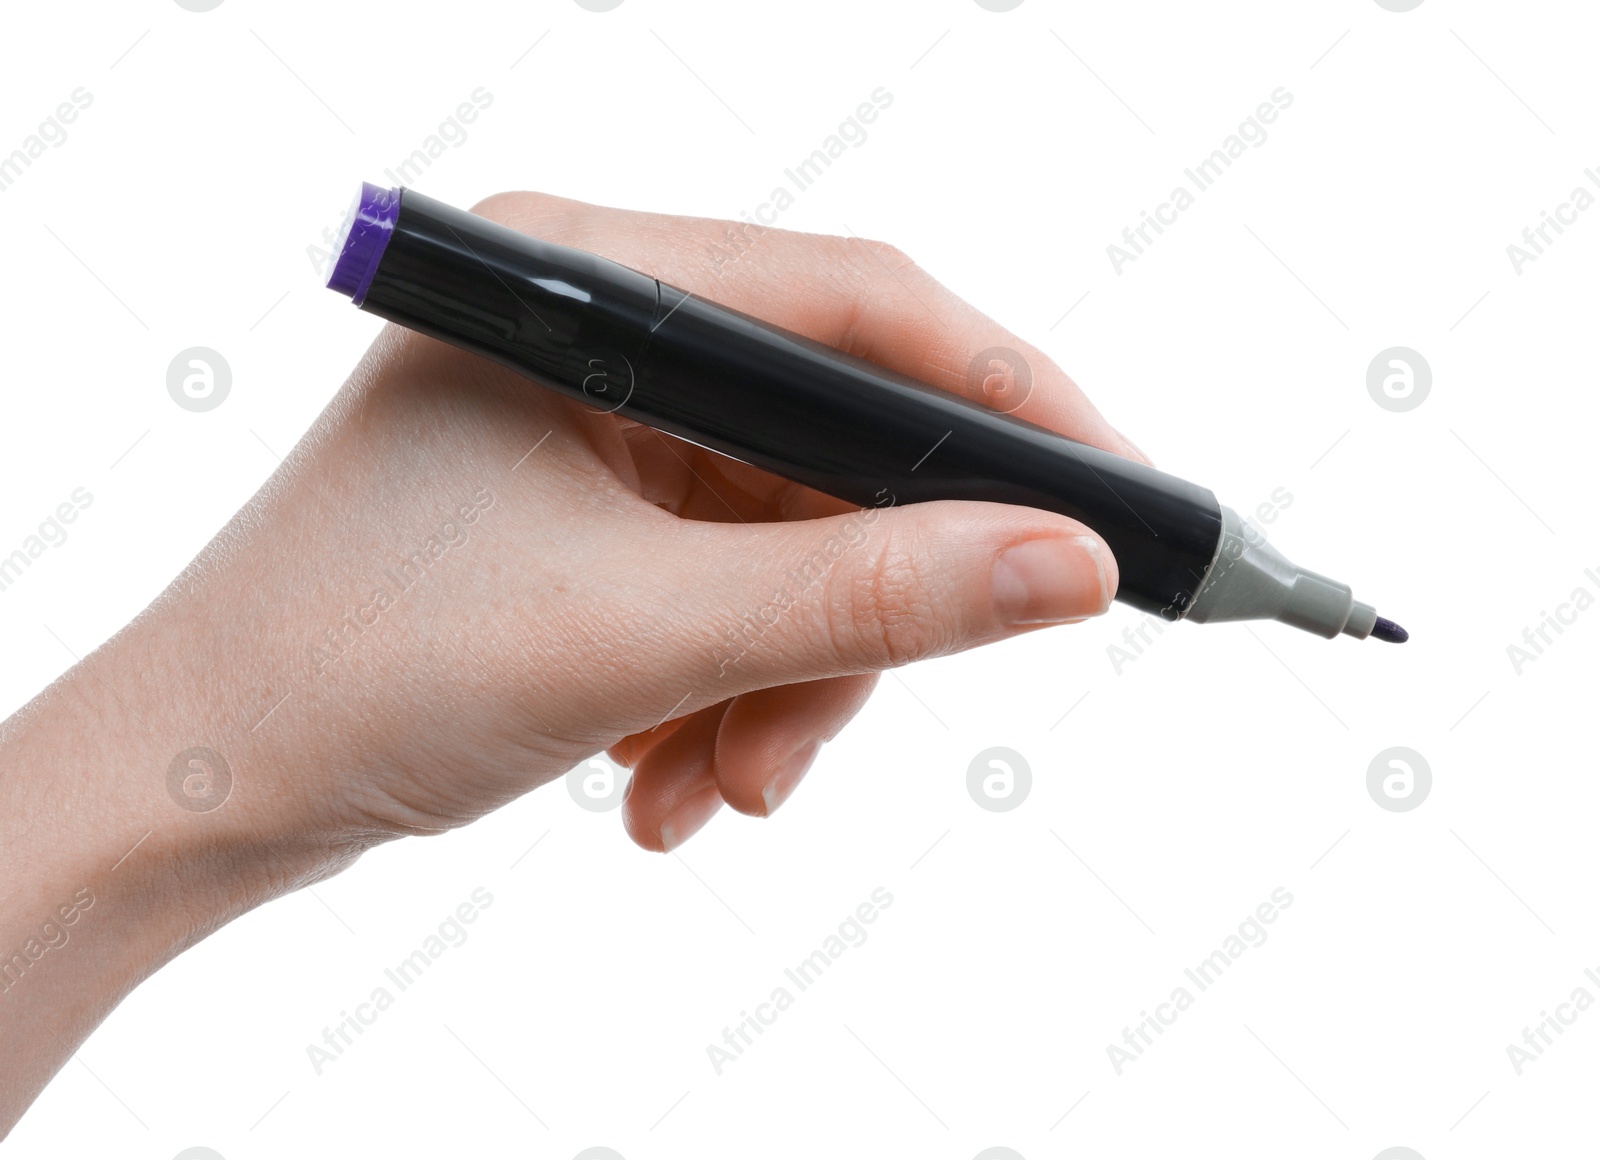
1170, 801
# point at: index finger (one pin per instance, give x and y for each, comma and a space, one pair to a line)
865, 298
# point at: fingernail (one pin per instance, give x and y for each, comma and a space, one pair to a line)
1051, 581
789, 775
690, 814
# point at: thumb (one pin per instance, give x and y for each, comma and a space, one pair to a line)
879, 588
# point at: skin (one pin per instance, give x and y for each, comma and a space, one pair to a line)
582, 597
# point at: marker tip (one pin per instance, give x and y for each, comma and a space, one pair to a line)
1388, 630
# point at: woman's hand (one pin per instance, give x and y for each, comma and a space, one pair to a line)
465, 584
614, 587
460, 585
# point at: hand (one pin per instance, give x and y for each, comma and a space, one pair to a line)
578, 582
612, 583
460, 585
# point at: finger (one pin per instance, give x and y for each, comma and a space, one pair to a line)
695, 483
770, 738
688, 481
863, 297
873, 590
673, 791
631, 749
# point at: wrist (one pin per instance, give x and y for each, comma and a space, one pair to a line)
117, 853
141, 802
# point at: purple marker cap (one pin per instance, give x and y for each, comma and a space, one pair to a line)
366, 233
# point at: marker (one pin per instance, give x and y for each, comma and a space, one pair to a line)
621, 341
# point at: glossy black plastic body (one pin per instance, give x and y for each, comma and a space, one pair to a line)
621, 341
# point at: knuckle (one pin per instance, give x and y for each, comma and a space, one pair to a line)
541, 214
882, 612
898, 261
875, 280
864, 258
499, 207
874, 258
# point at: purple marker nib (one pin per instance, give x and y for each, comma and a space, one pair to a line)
367, 229
1390, 631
